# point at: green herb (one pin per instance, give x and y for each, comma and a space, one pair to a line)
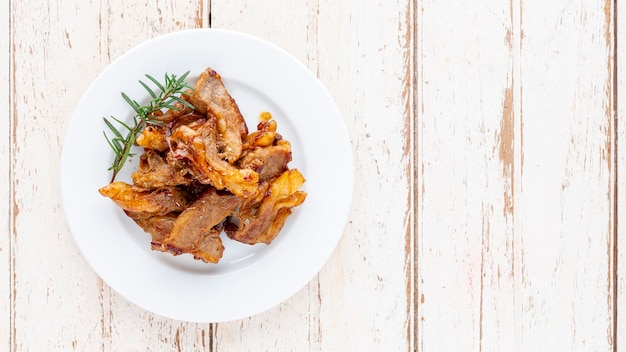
169, 94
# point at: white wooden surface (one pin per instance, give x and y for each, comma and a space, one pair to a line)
5, 183
619, 249
490, 144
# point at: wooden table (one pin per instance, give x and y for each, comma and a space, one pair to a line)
488, 210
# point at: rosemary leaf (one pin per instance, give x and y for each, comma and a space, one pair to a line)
113, 146
112, 128
148, 89
157, 82
123, 124
132, 103
169, 95
183, 101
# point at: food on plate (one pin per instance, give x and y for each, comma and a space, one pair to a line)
201, 172
261, 220
210, 97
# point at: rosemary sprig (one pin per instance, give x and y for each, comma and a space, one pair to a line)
169, 93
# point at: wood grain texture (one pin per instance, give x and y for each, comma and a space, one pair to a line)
620, 132
515, 194
52, 292
564, 209
465, 135
365, 61
489, 142
5, 179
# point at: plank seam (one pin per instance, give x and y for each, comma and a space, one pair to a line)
412, 123
417, 50
12, 205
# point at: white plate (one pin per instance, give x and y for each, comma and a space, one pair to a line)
249, 279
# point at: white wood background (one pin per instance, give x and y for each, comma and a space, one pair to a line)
490, 144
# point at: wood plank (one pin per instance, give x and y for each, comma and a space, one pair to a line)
365, 60
465, 155
126, 24
290, 25
564, 208
361, 52
5, 179
53, 293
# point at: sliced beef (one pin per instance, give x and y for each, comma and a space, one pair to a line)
158, 226
269, 161
210, 97
195, 145
155, 171
199, 221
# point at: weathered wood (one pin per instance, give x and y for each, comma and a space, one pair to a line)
504, 253
5, 180
620, 186
488, 140
564, 195
465, 186
365, 60
53, 295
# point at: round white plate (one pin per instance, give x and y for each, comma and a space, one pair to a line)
248, 279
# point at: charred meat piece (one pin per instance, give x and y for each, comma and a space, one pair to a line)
195, 144
137, 199
196, 230
261, 225
210, 97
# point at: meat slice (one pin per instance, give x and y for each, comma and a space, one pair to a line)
158, 226
261, 225
140, 200
196, 230
209, 248
210, 97
155, 172
268, 162
195, 144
